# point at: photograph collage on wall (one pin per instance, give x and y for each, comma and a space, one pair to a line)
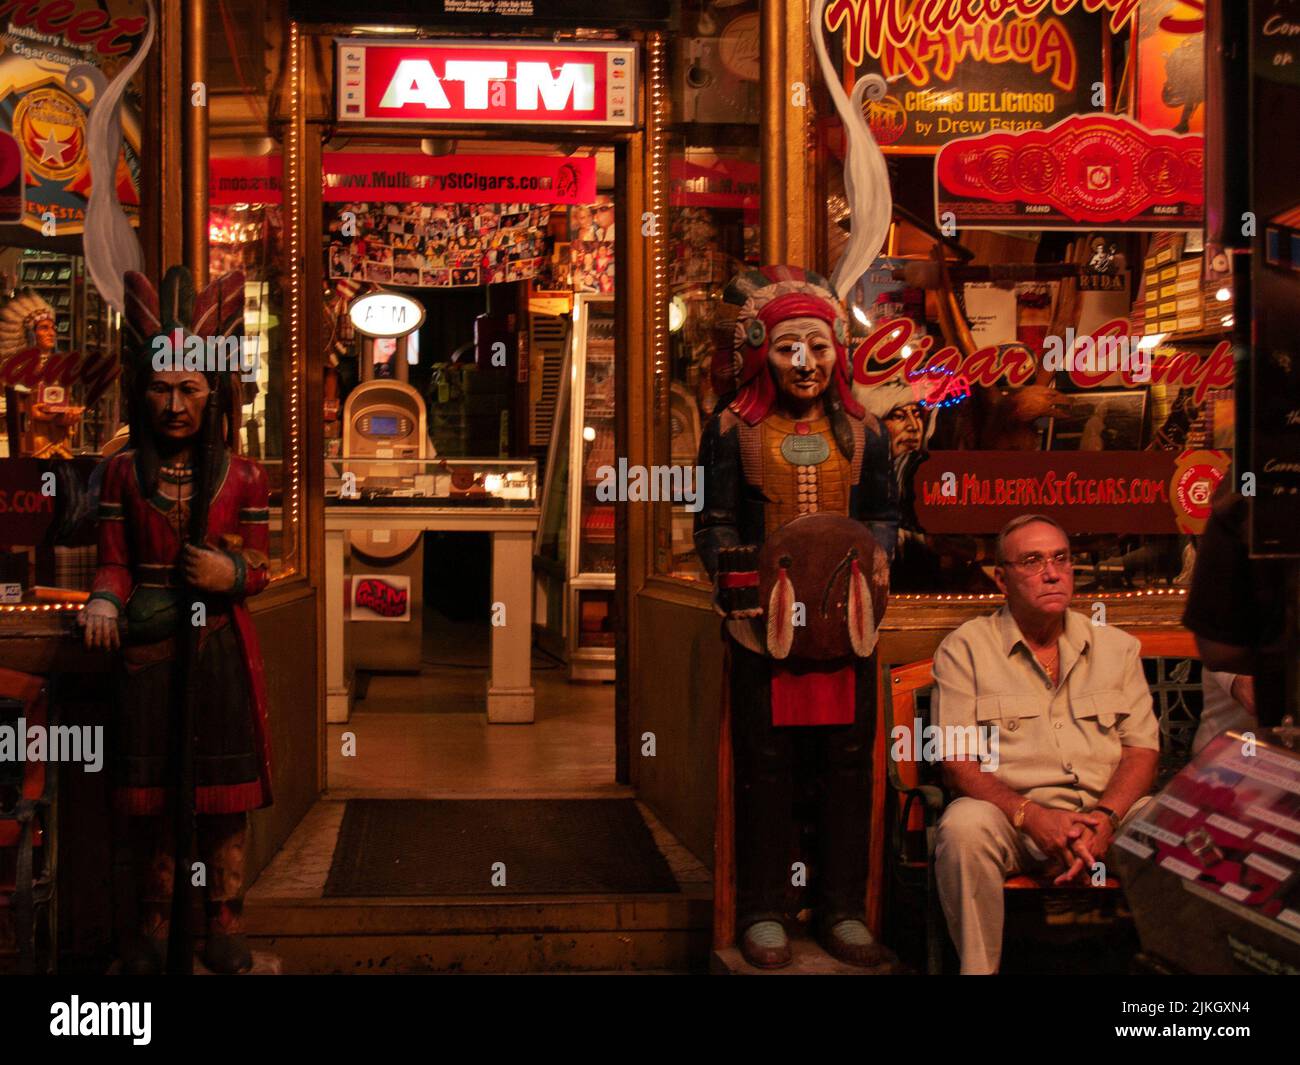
446, 245
591, 247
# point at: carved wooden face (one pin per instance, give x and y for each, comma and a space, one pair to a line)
175, 399
801, 357
905, 424
45, 335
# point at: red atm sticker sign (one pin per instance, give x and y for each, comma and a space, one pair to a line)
376, 598
445, 82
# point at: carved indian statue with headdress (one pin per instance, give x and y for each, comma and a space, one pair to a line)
797, 526
183, 542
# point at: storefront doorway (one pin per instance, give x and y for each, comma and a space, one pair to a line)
504, 251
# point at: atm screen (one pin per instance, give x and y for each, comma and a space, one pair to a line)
383, 425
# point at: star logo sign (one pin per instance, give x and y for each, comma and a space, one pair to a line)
52, 149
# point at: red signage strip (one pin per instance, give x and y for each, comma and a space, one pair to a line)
724, 183
348, 177
459, 178
1099, 171
244, 179
481, 83
1112, 492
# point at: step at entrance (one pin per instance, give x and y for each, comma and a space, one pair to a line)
292, 912
554, 934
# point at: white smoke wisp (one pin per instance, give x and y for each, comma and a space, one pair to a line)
109, 243
866, 177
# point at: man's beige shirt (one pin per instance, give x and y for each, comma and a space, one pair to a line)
1057, 746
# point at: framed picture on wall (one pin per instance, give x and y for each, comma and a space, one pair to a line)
1098, 421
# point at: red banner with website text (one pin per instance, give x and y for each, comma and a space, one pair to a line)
458, 178
1116, 492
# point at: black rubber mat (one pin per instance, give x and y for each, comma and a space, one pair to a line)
452, 847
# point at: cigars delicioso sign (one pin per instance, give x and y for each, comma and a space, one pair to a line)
486, 83
959, 68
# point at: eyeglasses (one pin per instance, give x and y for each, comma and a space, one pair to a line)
1034, 564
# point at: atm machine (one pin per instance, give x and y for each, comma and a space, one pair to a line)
385, 432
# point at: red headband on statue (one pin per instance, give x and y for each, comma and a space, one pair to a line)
757, 390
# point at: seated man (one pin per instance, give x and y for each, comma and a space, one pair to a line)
1076, 740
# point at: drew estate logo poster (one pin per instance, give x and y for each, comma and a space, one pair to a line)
40, 42
1103, 171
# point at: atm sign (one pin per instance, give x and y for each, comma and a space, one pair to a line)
439, 82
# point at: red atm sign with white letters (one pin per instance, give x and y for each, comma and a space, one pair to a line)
444, 82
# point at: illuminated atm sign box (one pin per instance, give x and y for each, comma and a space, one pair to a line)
446, 83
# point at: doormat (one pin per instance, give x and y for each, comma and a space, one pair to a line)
452, 847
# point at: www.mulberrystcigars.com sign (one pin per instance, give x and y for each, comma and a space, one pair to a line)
486, 83
959, 68
347, 176
1108, 492
1101, 171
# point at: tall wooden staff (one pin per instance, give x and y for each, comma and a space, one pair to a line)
217, 312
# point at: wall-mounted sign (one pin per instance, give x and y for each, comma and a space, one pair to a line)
1100, 171
954, 73
11, 179
348, 177
381, 598
386, 314
458, 178
485, 83
1118, 492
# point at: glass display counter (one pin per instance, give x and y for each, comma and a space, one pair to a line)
396, 498
498, 483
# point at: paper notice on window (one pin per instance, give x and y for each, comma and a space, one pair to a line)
992, 313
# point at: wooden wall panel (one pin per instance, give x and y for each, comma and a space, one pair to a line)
288, 635
679, 656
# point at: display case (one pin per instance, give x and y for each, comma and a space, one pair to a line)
574, 562
435, 482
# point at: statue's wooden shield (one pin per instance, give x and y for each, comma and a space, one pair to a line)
824, 583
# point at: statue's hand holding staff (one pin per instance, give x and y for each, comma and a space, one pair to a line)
208, 570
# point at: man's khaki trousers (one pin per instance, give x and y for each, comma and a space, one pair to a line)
977, 849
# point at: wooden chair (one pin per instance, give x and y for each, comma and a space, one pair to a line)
917, 787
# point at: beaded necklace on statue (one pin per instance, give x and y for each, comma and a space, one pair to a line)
176, 484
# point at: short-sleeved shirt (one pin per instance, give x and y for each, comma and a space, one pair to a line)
1058, 746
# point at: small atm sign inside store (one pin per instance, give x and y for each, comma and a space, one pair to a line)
439, 82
